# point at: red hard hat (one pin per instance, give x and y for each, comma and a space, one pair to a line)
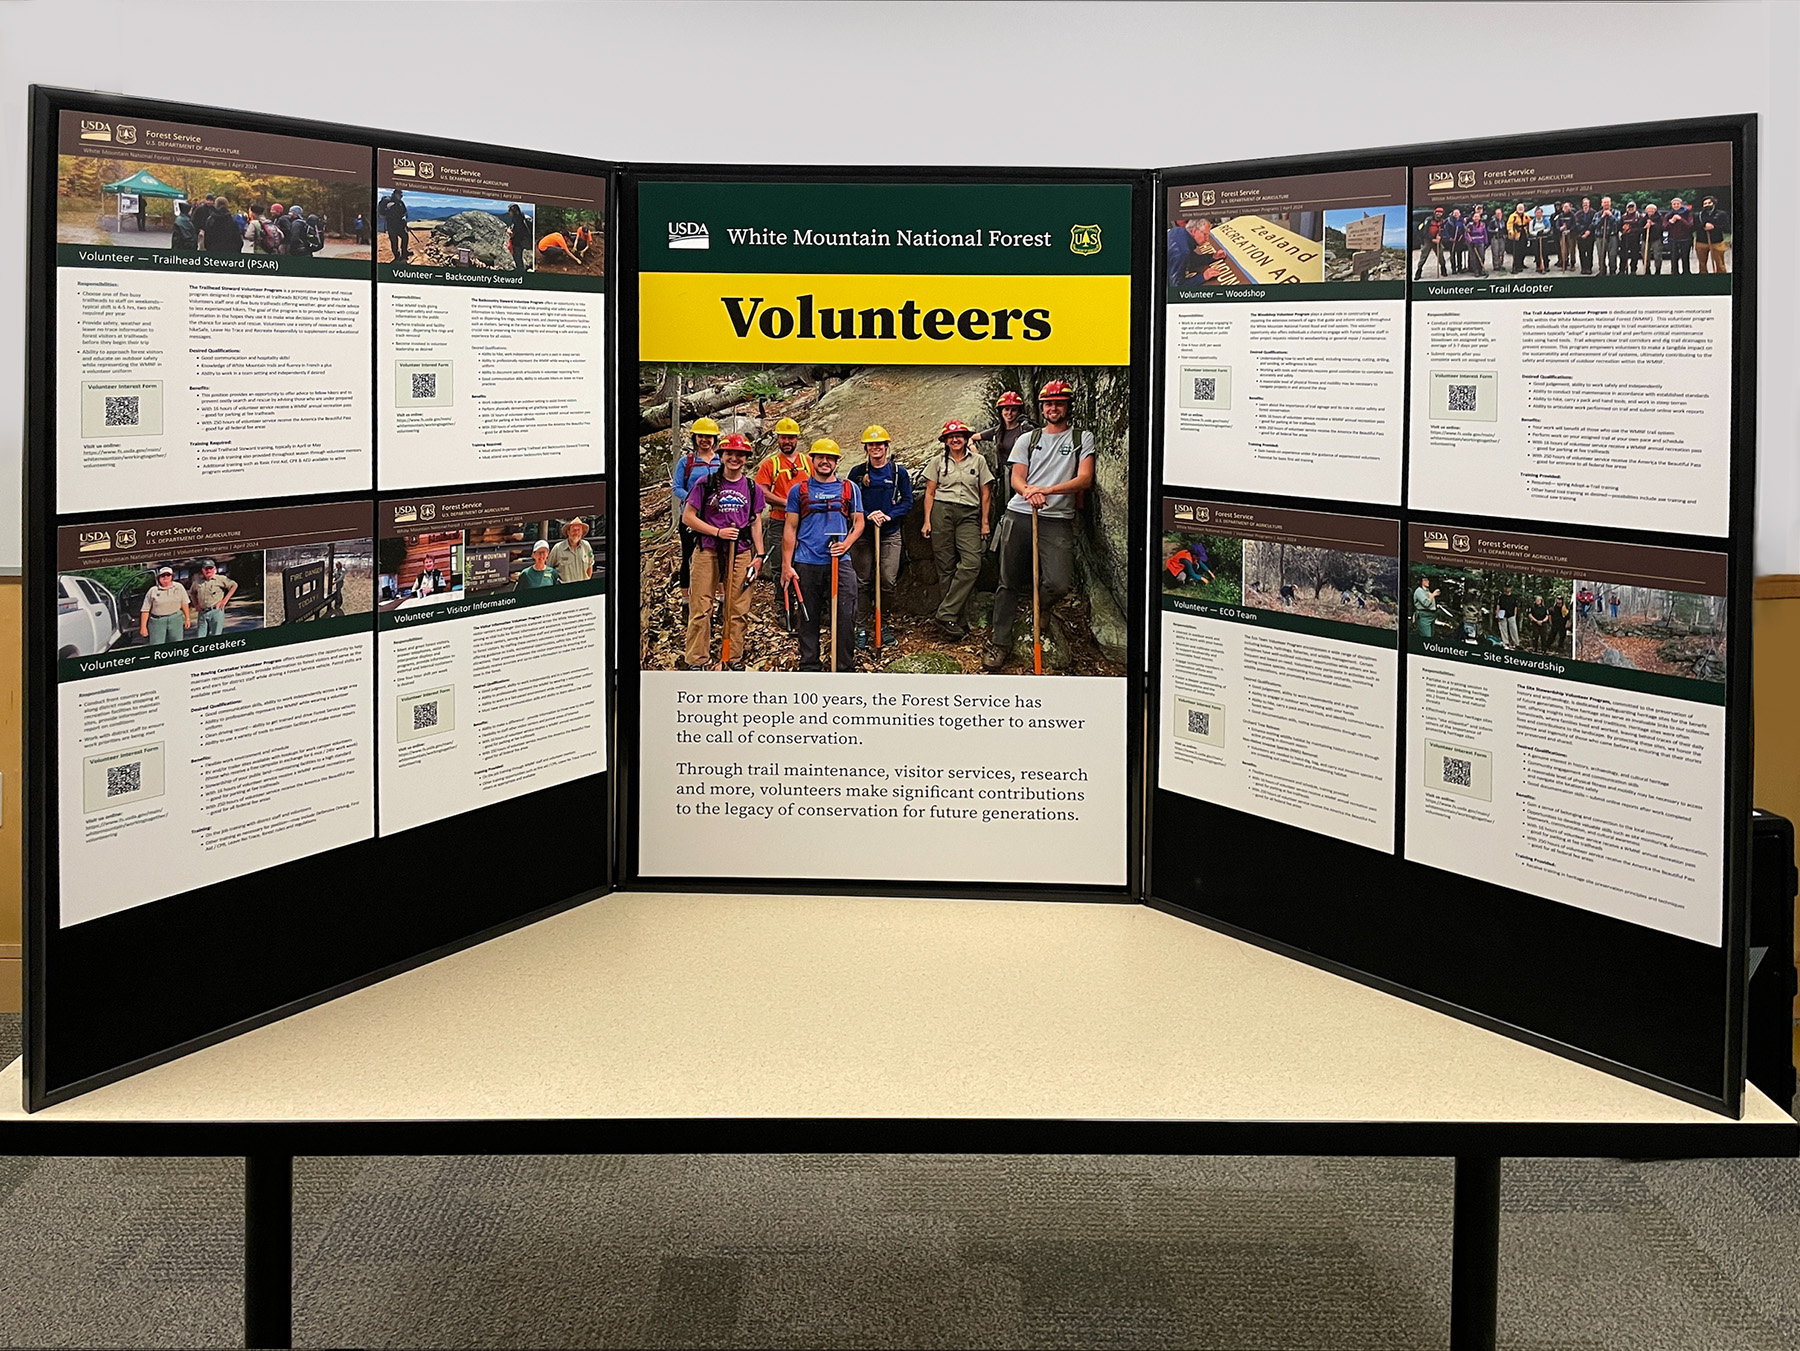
1057, 389
954, 428
735, 441
1009, 400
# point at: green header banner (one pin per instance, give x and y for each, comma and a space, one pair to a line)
1368, 635
210, 264
1560, 668
914, 229
474, 606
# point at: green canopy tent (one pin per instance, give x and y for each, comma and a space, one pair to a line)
142, 185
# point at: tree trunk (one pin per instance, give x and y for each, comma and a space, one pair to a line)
671, 400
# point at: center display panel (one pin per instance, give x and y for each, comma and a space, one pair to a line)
887, 474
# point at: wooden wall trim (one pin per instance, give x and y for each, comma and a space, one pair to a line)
1777, 586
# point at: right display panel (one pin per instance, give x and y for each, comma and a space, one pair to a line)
1451, 674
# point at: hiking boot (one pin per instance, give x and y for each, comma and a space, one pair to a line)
993, 657
952, 630
733, 666
862, 640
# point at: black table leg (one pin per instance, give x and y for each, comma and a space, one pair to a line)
1475, 1255
268, 1250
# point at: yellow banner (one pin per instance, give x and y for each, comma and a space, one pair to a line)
884, 320
1268, 253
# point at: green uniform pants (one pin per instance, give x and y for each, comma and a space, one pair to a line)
166, 628
956, 548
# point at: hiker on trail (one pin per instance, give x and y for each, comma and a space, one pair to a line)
265, 235
540, 573
518, 235
222, 233
689, 470
958, 508
1013, 424
572, 556
361, 227
824, 521
1049, 467
725, 507
780, 471
392, 211
887, 495
186, 235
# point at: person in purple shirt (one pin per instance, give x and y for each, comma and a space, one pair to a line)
720, 509
1477, 232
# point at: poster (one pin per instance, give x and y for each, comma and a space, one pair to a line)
492, 618
491, 286
212, 315
1280, 664
928, 335
1566, 721
1578, 368
1285, 335
214, 679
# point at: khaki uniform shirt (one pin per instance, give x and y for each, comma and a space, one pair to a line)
572, 563
210, 595
959, 483
165, 600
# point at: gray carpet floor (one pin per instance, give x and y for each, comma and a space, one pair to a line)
859, 1251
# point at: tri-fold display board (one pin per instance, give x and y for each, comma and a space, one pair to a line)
1442, 537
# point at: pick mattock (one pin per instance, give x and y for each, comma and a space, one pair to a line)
878, 588
1037, 629
836, 559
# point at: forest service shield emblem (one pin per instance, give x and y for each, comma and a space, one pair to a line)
1084, 239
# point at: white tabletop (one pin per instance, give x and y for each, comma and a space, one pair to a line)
708, 1006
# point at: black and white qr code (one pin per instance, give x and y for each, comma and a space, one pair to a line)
1206, 388
123, 779
122, 410
424, 716
424, 384
1462, 398
1199, 722
1458, 773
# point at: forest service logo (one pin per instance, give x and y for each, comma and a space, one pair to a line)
127, 135
1084, 239
127, 539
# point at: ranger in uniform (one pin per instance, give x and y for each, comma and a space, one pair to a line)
166, 612
211, 594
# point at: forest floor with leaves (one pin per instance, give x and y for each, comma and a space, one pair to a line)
1328, 605
1657, 653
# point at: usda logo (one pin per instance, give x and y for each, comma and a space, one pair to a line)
687, 234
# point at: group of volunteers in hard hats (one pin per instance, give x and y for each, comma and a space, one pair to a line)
841, 538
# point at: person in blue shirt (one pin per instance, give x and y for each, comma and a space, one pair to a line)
887, 495
824, 521
689, 470
1181, 248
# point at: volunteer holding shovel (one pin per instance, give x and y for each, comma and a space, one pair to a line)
887, 495
824, 521
1050, 466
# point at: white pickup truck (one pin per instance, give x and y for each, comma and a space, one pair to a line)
87, 617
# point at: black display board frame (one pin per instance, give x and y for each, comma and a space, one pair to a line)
112, 996
1661, 1011
627, 487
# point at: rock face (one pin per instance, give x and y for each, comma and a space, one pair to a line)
1611, 656
483, 234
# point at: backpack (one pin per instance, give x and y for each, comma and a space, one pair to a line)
841, 506
270, 237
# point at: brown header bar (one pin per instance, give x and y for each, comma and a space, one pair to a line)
1590, 174
163, 539
1277, 525
474, 178
1301, 192
411, 515
1645, 565
203, 147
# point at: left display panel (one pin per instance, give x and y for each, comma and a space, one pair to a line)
242, 330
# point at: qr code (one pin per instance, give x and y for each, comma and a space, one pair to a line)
424, 716
123, 779
1458, 773
1462, 398
1199, 722
122, 410
1206, 388
424, 384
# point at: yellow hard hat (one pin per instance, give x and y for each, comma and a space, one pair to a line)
825, 446
875, 432
704, 426
787, 427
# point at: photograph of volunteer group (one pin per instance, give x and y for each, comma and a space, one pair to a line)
1672, 633
1207, 248
439, 229
999, 497
1647, 231
135, 204
1296, 579
432, 567
151, 605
